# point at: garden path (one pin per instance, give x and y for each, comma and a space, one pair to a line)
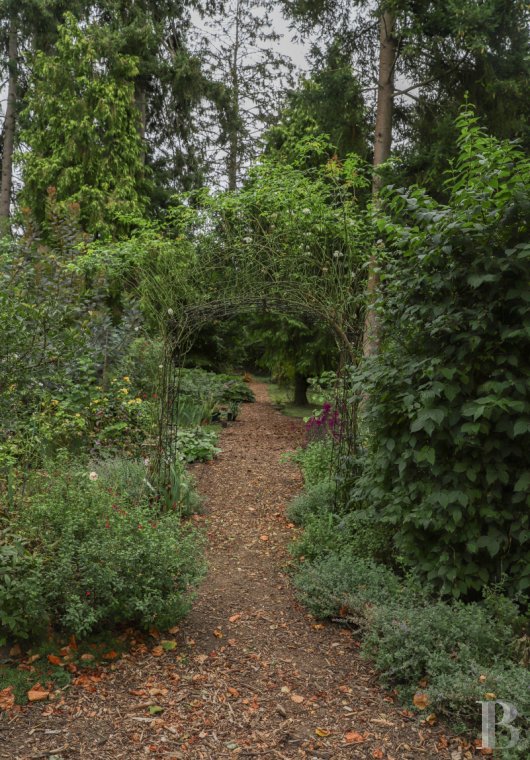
252, 675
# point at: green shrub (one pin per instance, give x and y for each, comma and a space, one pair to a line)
448, 406
356, 533
220, 389
23, 611
459, 652
347, 585
197, 444
314, 500
454, 653
126, 479
455, 688
104, 561
410, 641
315, 460
143, 362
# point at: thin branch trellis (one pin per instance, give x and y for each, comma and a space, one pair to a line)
233, 260
180, 329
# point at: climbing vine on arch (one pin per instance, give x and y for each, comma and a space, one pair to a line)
294, 241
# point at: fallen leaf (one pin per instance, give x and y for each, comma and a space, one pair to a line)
37, 693
490, 695
233, 692
431, 719
174, 630
157, 651
15, 651
218, 633
264, 538
7, 698
112, 655
157, 692
421, 700
155, 709
378, 754
234, 618
482, 679
354, 737
168, 645
54, 660
322, 732
318, 627
297, 698
87, 657
33, 658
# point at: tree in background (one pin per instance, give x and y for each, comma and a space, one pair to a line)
169, 86
25, 25
443, 50
430, 53
80, 133
328, 101
239, 56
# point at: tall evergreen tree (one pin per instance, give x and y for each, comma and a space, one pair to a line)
169, 85
25, 25
247, 74
327, 101
80, 132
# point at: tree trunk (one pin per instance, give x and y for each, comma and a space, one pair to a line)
9, 132
233, 144
382, 146
300, 389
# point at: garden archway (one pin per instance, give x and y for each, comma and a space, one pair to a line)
183, 322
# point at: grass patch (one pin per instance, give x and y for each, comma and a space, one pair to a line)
54, 663
282, 397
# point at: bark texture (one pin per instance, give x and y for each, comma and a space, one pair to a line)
9, 131
382, 147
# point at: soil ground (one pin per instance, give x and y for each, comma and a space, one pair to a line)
253, 674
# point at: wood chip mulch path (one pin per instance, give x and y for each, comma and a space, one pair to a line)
252, 675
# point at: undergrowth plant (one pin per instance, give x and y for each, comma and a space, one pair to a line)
448, 408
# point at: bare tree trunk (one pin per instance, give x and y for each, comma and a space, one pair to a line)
9, 132
233, 145
382, 146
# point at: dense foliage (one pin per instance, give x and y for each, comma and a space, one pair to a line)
449, 412
92, 561
432, 509
79, 107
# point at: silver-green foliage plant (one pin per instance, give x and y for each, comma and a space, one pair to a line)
94, 558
